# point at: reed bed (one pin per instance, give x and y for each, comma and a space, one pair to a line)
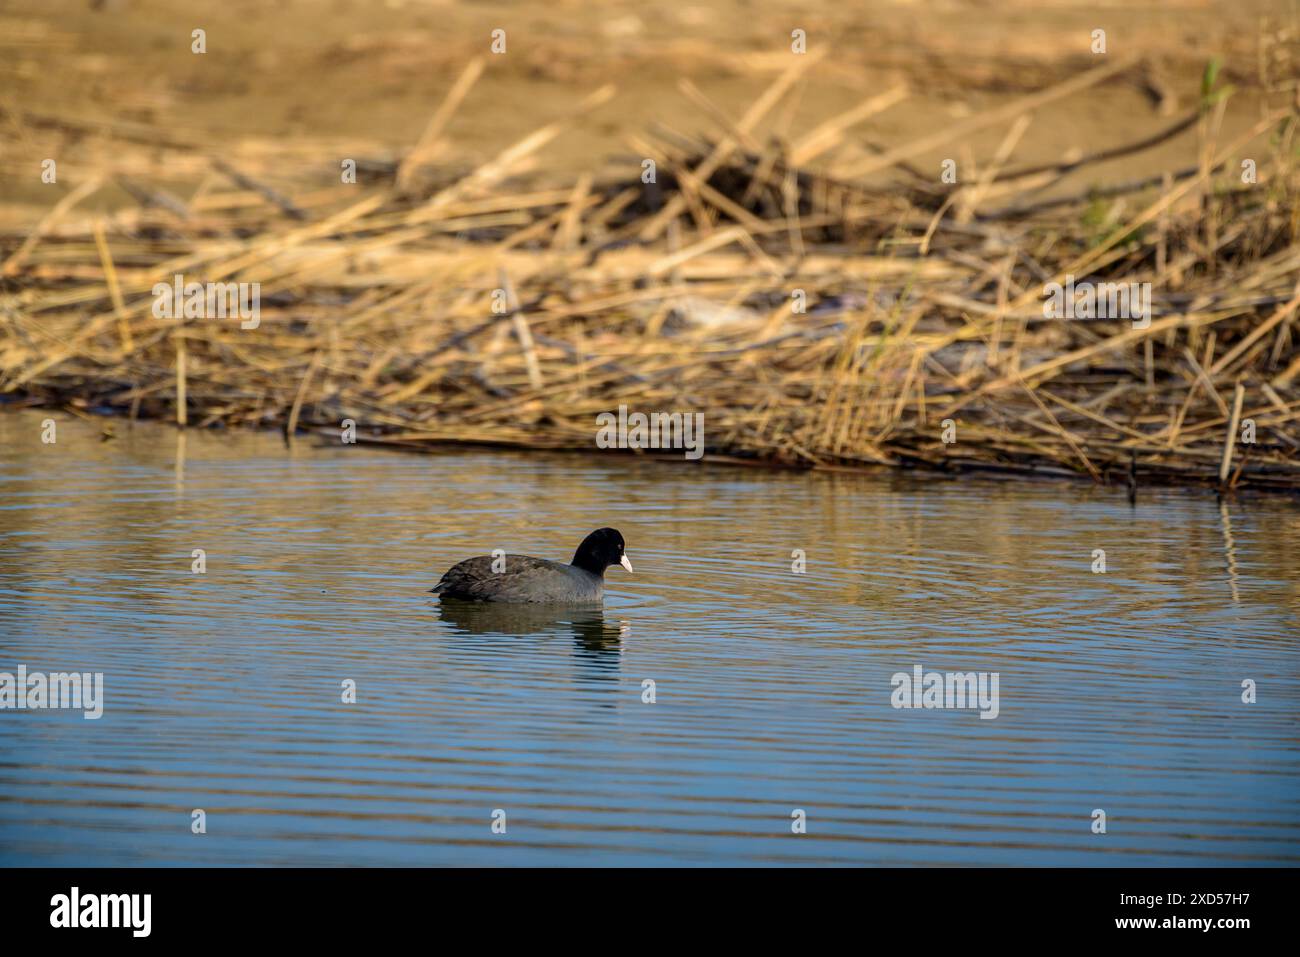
820, 309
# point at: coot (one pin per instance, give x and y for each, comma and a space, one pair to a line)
522, 579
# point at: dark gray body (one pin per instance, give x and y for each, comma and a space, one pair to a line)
525, 580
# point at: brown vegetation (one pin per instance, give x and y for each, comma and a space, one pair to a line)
924, 299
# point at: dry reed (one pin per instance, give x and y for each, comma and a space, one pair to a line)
923, 301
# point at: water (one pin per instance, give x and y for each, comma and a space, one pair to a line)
1119, 691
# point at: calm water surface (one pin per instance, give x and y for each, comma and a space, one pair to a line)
1119, 691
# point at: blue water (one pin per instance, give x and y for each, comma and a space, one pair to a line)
1118, 691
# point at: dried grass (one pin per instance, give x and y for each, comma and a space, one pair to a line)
924, 301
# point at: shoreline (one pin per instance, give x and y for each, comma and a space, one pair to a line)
957, 470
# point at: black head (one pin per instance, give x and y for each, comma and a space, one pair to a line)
599, 550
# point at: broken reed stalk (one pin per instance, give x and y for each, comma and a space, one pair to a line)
181, 419
1231, 440
291, 424
524, 334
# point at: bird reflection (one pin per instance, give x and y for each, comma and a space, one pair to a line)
596, 640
